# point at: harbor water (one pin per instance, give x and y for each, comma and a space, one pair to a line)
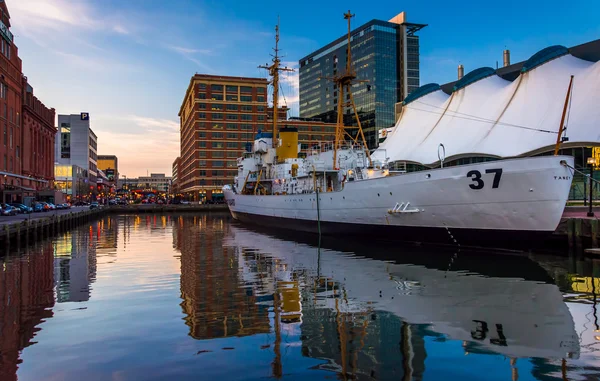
201, 297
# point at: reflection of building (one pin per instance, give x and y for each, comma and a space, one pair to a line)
215, 300
26, 298
384, 53
109, 164
71, 180
77, 144
74, 267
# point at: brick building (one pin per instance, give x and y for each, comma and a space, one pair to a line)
26, 125
10, 107
219, 116
38, 141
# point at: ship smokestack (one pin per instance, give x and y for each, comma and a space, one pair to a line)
461, 71
506, 58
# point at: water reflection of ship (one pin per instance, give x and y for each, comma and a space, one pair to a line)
26, 299
510, 307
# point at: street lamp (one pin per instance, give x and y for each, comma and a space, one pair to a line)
591, 162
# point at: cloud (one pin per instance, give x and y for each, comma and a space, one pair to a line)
120, 29
189, 54
141, 143
290, 86
154, 123
182, 50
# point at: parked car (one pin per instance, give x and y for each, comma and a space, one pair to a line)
8, 210
112, 202
23, 208
59, 206
94, 205
38, 207
184, 202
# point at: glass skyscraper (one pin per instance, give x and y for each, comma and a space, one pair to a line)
385, 55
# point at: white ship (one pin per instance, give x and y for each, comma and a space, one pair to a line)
339, 188
491, 314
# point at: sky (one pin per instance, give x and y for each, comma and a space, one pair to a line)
128, 62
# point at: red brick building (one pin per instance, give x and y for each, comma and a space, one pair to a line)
10, 104
39, 133
26, 126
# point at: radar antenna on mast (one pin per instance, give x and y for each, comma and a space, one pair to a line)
343, 83
274, 70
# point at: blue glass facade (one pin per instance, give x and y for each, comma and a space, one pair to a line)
384, 56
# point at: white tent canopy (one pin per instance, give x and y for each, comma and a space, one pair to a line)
488, 116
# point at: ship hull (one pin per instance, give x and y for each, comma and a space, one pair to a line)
500, 203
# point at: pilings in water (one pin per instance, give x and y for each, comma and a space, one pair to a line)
581, 233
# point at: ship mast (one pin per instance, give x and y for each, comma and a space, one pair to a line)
343, 83
274, 70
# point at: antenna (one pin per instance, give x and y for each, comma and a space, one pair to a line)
344, 82
274, 70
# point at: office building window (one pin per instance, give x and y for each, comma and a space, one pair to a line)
247, 108
217, 116
201, 106
217, 107
231, 126
217, 154
231, 88
233, 98
261, 90
246, 89
216, 87
246, 117
217, 97
246, 98
218, 163
232, 107
216, 135
201, 115
232, 116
